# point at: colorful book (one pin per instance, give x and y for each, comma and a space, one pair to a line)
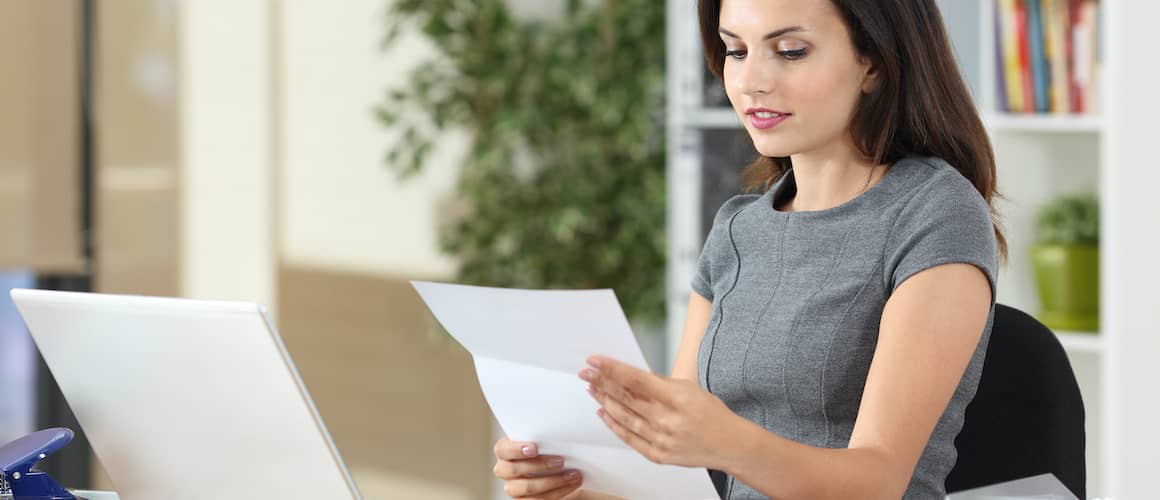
1001, 91
1047, 56
1037, 57
1011, 70
1025, 78
1075, 55
1091, 14
1055, 16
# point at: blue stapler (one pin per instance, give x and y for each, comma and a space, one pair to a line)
19, 478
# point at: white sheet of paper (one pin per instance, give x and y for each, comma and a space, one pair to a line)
529, 347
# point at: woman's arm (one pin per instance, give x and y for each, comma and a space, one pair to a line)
930, 328
696, 321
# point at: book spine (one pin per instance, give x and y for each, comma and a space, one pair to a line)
1091, 90
1025, 78
1001, 91
1057, 23
1011, 71
1037, 54
1075, 55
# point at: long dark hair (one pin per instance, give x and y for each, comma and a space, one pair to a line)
920, 107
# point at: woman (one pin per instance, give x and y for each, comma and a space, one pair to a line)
839, 317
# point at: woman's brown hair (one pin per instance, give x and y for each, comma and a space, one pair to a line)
921, 106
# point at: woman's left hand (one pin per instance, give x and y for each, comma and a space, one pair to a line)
669, 421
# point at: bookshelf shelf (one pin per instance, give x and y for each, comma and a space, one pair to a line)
1042, 123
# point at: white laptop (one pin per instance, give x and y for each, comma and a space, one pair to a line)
185, 399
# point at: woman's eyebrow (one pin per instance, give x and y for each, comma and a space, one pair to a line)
770, 35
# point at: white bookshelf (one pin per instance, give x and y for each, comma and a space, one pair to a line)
1038, 157
1007, 122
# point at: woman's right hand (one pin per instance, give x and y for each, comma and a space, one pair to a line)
529, 475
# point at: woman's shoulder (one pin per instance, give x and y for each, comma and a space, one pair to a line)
934, 183
735, 205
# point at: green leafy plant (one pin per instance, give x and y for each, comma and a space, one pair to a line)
563, 185
1069, 220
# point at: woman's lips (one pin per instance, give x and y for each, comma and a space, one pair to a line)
764, 118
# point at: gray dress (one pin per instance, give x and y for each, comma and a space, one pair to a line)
798, 297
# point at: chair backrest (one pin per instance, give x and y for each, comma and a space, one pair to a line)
1027, 417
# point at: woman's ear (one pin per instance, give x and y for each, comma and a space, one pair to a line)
870, 80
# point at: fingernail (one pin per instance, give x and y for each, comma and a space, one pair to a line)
591, 391
572, 476
595, 362
586, 375
529, 451
556, 462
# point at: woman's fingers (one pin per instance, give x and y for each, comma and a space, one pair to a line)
632, 439
646, 404
625, 416
506, 449
512, 469
637, 383
518, 460
545, 487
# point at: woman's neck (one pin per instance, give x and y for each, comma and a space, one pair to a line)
826, 181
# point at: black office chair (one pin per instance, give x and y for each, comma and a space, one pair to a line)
1027, 417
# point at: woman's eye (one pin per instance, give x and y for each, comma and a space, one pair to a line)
735, 54
791, 50
792, 55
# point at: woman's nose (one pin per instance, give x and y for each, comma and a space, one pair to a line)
753, 77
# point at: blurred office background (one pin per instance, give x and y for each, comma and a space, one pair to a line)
236, 150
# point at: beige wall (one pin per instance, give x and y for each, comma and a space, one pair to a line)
342, 207
227, 176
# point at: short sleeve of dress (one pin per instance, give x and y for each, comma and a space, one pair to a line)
947, 221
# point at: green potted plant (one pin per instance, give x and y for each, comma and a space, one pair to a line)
563, 184
1066, 258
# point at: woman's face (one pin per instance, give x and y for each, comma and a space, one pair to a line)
792, 73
